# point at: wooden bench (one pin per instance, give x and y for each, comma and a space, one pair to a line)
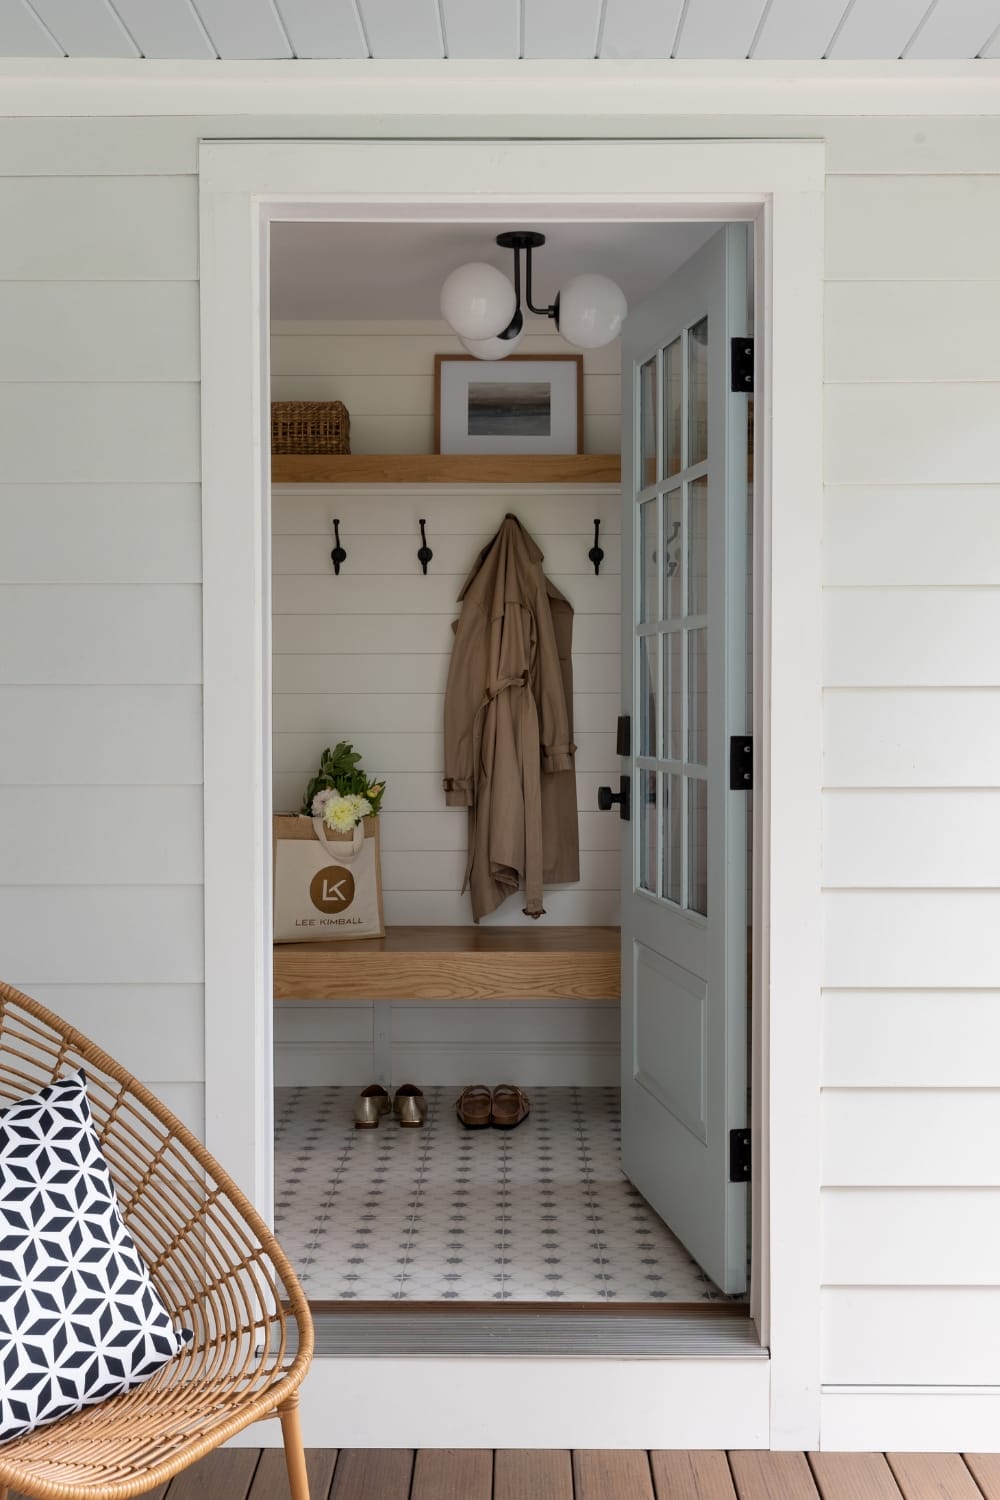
450, 963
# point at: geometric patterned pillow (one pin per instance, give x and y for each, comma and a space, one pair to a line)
80, 1319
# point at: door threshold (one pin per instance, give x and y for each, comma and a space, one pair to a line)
535, 1332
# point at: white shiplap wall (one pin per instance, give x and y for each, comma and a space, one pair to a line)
913, 468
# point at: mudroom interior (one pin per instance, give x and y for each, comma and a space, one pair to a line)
449, 1098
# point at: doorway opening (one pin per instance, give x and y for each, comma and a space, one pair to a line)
552, 1213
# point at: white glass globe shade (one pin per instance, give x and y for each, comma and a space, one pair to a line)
478, 301
592, 310
492, 348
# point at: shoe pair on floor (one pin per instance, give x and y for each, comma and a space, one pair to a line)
503, 1108
409, 1106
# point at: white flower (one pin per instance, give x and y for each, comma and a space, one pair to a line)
320, 800
362, 806
340, 814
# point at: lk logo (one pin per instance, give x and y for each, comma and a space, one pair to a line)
332, 889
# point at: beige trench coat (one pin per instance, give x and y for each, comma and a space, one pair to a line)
508, 729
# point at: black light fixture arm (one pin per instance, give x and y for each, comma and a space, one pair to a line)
526, 240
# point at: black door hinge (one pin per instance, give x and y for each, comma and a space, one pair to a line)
739, 1156
741, 763
741, 365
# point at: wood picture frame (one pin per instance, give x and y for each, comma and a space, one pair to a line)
560, 409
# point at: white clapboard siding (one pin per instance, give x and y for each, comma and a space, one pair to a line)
99, 330
410, 832
904, 939
911, 1336
123, 934
100, 736
85, 835
912, 330
911, 838
910, 1236
911, 737
908, 228
170, 1043
393, 349
912, 535
100, 533
910, 1137
912, 433
423, 713
470, 510
187, 1101
444, 870
101, 634
911, 1038
375, 635
115, 433
99, 228
908, 637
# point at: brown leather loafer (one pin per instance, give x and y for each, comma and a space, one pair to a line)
369, 1107
511, 1105
473, 1106
409, 1105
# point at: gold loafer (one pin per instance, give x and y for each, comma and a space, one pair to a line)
369, 1107
409, 1105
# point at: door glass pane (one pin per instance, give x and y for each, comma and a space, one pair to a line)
645, 815
698, 392
697, 872
671, 887
697, 557
697, 697
647, 424
673, 604
649, 686
673, 397
673, 700
649, 595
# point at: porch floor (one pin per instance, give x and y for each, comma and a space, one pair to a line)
480, 1474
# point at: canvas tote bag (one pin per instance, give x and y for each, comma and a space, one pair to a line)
326, 885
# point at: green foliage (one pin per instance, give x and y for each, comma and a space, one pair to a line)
340, 771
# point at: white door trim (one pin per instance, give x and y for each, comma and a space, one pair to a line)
779, 186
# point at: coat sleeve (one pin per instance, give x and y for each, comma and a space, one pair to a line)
553, 715
464, 694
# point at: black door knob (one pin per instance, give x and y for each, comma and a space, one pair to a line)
606, 798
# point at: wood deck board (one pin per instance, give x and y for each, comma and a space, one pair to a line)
772, 1476
985, 1470
697, 1475
933, 1476
460, 963
270, 1482
453, 1474
228, 1472
620, 1475
372, 1474
529, 1474
853, 1476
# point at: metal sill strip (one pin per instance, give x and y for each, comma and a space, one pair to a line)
508, 1335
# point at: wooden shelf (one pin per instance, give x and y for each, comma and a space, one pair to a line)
445, 468
455, 963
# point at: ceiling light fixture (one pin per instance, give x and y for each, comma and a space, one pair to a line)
485, 309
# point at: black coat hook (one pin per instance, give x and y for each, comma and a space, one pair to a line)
596, 553
338, 555
424, 553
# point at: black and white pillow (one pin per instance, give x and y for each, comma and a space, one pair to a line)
80, 1319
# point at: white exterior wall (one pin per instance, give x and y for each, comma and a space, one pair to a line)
100, 697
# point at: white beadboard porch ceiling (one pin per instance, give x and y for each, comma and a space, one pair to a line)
808, 30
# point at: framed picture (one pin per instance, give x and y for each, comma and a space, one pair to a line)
527, 403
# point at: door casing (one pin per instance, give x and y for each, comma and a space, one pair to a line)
778, 187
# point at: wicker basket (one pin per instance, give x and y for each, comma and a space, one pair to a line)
310, 427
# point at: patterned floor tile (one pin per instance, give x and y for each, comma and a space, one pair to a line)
543, 1213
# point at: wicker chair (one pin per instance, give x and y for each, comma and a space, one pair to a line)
216, 1265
